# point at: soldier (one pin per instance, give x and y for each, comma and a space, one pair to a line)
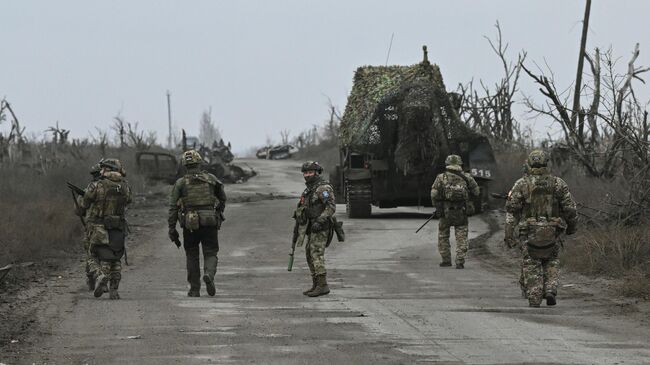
104, 204
92, 263
543, 209
450, 194
511, 236
197, 202
314, 222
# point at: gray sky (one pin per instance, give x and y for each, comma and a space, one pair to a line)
268, 65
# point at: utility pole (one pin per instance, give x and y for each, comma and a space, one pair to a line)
169, 119
581, 61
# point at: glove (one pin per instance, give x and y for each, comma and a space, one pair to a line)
173, 236
510, 242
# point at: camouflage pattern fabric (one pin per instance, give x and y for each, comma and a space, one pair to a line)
196, 189
454, 213
315, 251
540, 273
104, 204
540, 277
319, 205
444, 247
111, 269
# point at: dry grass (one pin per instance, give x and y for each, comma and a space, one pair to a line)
38, 218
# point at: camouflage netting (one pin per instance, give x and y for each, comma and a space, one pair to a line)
403, 113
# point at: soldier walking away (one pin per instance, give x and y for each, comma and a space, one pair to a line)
104, 205
315, 225
92, 262
451, 195
197, 202
543, 209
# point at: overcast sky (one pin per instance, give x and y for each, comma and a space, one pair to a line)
268, 65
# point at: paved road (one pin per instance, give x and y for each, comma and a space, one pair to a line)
390, 302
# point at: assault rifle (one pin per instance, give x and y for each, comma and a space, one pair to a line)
435, 210
294, 240
75, 190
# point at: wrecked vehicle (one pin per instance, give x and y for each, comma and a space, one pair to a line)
280, 152
398, 127
164, 166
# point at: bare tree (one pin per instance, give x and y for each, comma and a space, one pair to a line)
59, 135
140, 140
615, 117
491, 112
208, 131
101, 140
284, 136
119, 126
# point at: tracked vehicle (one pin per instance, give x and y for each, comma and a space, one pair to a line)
398, 127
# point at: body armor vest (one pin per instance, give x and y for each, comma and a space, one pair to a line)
541, 200
314, 206
110, 204
199, 192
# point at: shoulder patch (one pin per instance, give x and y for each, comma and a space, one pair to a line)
325, 194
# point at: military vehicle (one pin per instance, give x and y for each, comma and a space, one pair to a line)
218, 161
280, 152
398, 126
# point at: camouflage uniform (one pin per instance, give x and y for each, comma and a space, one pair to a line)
543, 209
452, 208
92, 262
315, 209
197, 201
104, 203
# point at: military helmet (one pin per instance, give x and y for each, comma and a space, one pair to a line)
537, 158
95, 169
111, 164
191, 157
453, 160
312, 166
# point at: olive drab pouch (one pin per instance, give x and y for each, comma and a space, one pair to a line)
541, 236
207, 218
113, 222
455, 213
338, 229
192, 220
330, 236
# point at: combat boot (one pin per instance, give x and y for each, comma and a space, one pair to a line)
209, 285
445, 264
101, 287
210, 271
550, 299
194, 293
313, 286
321, 286
460, 266
112, 292
90, 281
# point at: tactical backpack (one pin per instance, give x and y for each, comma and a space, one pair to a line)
198, 202
114, 197
456, 196
541, 224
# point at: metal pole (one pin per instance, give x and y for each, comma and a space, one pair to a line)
169, 119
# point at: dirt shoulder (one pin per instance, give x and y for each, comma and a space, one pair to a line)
495, 256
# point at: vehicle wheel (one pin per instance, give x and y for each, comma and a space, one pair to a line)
358, 198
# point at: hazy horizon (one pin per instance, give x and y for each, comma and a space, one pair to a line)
267, 66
